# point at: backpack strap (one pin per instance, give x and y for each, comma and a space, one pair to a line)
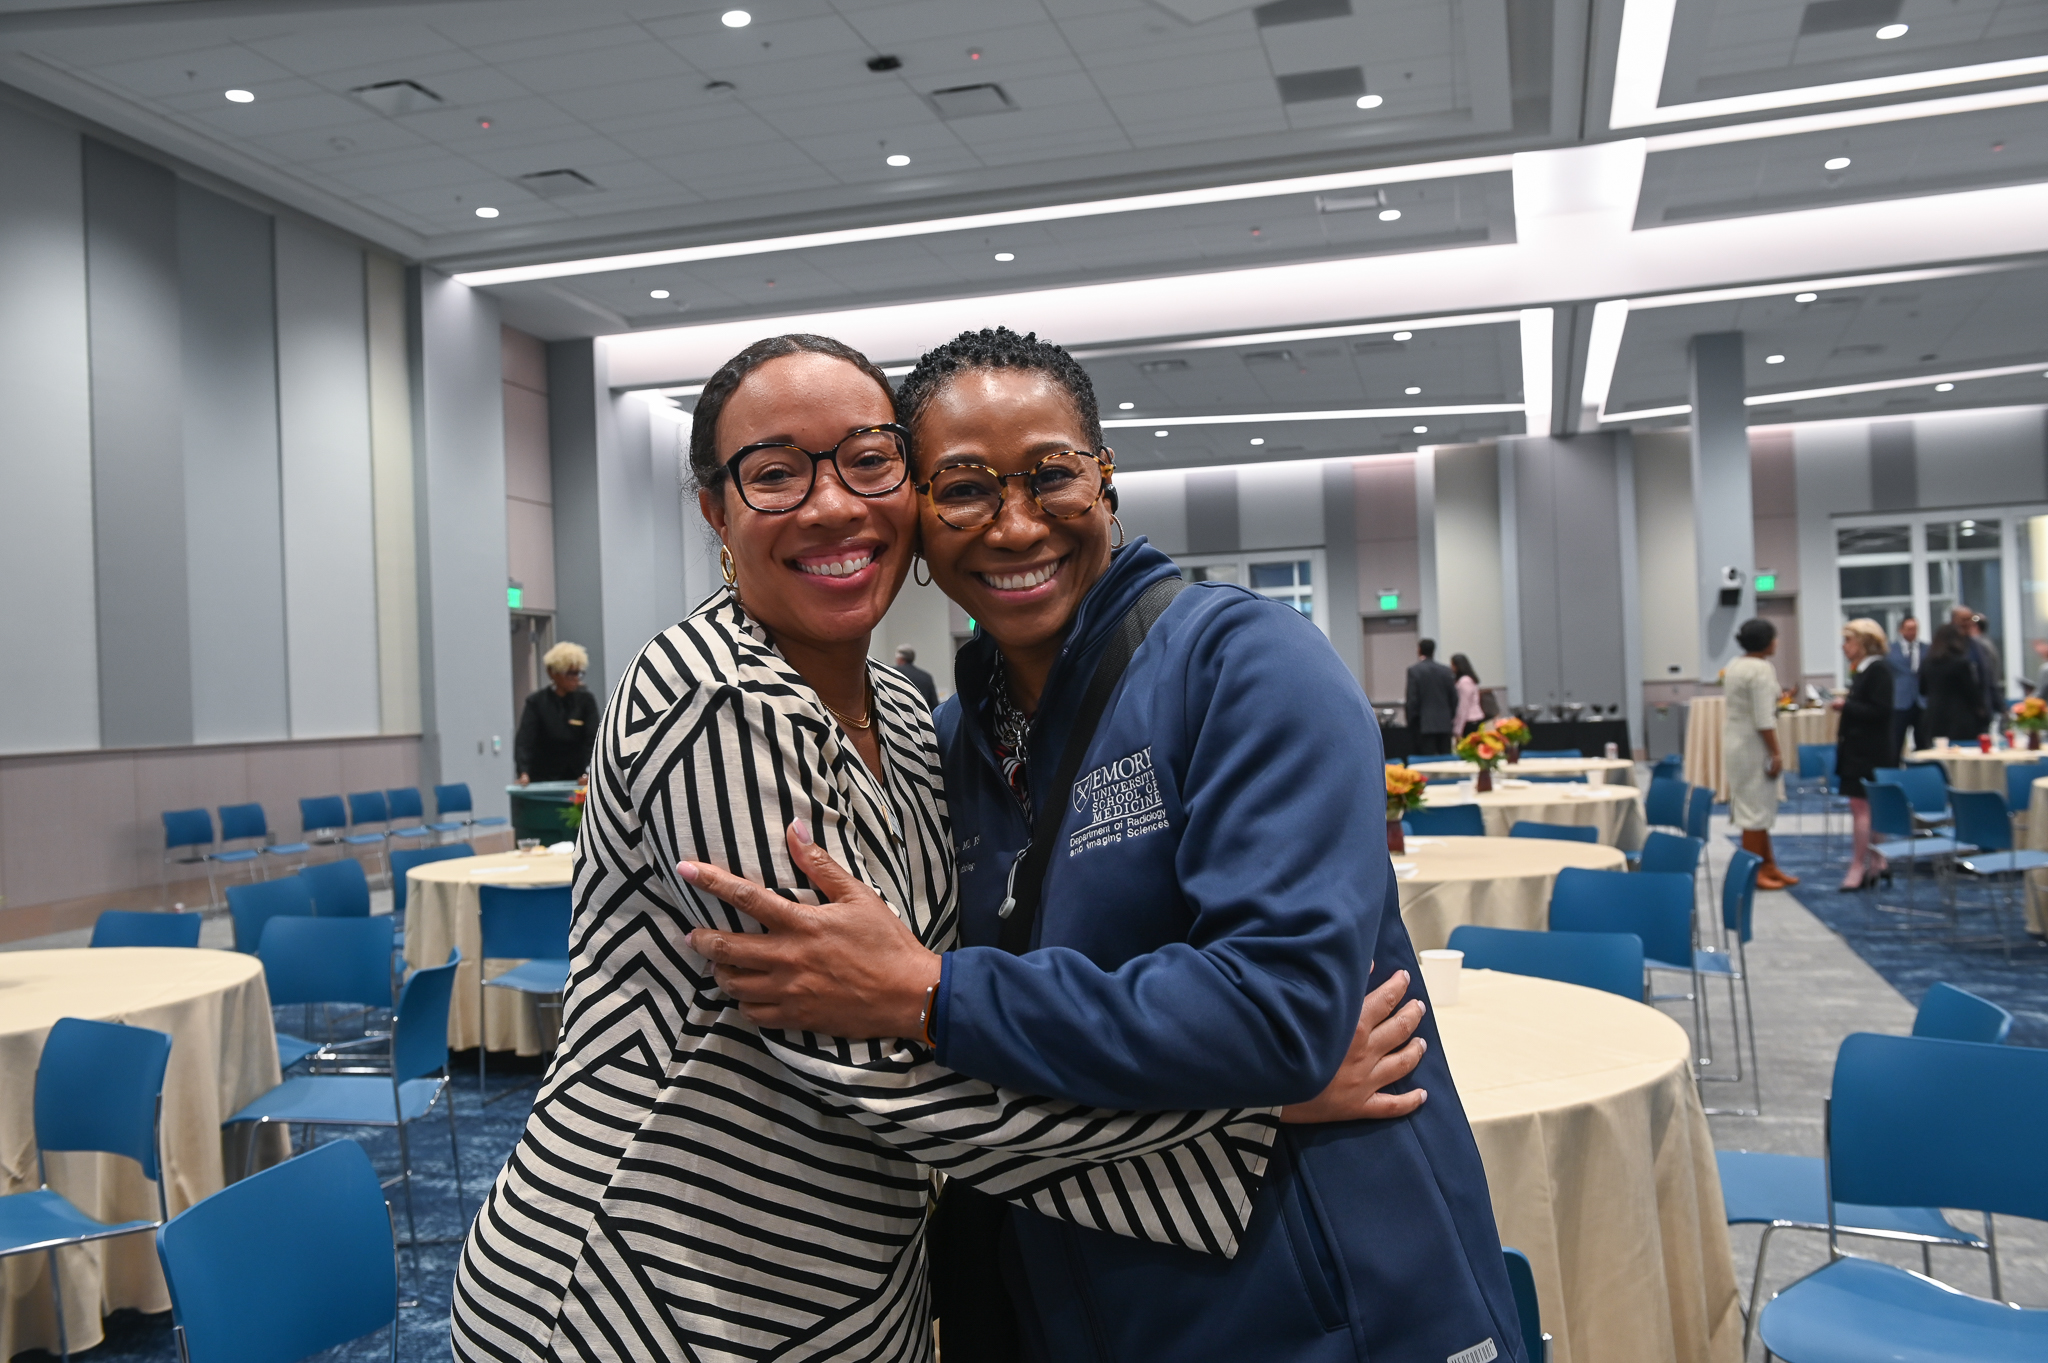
1027, 873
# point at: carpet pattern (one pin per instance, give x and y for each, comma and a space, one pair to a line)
1913, 952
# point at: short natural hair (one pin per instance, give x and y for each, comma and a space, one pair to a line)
999, 348
1755, 634
705, 468
907, 653
1426, 647
1872, 635
566, 657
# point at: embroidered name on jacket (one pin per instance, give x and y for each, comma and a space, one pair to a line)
1121, 800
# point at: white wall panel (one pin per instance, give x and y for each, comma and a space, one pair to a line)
1281, 506
323, 388
1470, 619
1981, 458
1831, 462
46, 525
1155, 505
1665, 558
391, 463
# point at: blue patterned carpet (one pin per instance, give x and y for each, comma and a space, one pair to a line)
1914, 952
486, 1135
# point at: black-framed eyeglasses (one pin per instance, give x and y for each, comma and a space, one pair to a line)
1065, 485
773, 477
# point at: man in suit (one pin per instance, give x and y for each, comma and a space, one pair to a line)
906, 663
1432, 702
1905, 665
1984, 657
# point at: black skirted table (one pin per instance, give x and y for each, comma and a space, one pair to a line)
541, 810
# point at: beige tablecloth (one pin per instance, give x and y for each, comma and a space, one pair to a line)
1704, 715
1612, 770
1494, 882
441, 911
215, 1008
2036, 837
1617, 811
1600, 1166
1971, 769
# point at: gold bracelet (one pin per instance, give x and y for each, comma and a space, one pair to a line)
925, 1019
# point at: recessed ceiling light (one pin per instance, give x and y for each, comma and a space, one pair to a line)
487, 212
1835, 163
657, 293
1258, 440
1161, 433
1404, 335
1390, 215
735, 18
1411, 392
899, 159
1422, 430
1005, 255
1370, 101
1125, 406
1891, 31
1944, 388
1804, 297
241, 97
1774, 359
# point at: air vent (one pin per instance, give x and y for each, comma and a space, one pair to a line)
885, 63
968, 101
1841, 16
1851, 352
1162, 366
1351, 203
1269, 357
394, 97
1307, 87
1378, 345
1299, 12
556, 184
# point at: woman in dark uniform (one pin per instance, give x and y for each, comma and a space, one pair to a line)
559, 723
1865, 740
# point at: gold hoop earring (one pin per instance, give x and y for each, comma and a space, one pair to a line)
725, 565
916, 562
1118, 542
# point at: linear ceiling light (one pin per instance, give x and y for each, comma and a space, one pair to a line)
1537, 375
1838, 391
1603, 352
1306, 184
1646, 40
1847, 118
1352, 414
1399, 330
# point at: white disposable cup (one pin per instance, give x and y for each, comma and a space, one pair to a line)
1441, 968
1941, 743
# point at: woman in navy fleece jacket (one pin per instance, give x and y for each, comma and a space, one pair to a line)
1218, 903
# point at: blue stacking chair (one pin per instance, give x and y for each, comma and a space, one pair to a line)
1522, 1281
1556, 832
1983, 822
1551, 752
408, 815
1447, 821
365, 808
528, 924
2019, 786
406, 858
1926, 787
339, 888
128, 928
1699, 820
252, 906
1891, 818
1790, 1192
419, 1048
1815, 781
283, 1265
315, 962
453, 798
323, 820
99, 1086
1670, 852
1738, 910
1655, 906
1664, 806
247, 824
1978, 1148
1612, 961
188, 841
1670, 767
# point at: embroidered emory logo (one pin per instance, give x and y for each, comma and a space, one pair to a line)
1121, 800
1482, 1352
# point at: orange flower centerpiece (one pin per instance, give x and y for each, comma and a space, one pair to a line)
1404, 794
2031, 716
1514, 733
573, 816
1485, 749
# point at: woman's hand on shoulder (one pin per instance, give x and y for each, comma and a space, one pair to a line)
848, 967
1384, 1050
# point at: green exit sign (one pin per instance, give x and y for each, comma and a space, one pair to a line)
1767, 582
513, 595
1390, 601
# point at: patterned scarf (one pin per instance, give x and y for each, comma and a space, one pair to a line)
1010, 731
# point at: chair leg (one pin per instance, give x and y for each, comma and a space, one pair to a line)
481, 1038
1756, 1290
1991, 1248
412, 1225
455, 1150
57, 1300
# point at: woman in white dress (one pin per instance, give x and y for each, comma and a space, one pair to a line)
1749, 746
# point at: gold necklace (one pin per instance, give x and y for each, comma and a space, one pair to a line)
866, 721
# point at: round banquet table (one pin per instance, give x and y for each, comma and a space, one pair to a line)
1972, 769
1704, 715
216, 1010
1617, 811
441, 912
1600, 1166
1494, 882
1614, 770
2036, 837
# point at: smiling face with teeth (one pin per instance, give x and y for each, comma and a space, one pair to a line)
1023, 575
820, 577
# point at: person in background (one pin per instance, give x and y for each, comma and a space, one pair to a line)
1982, 658
1904, 664
560, 721
1991, 666
1864, 742
1749, 746
2041, 652
1950, 689
906, 663
1432, 702
1470, 713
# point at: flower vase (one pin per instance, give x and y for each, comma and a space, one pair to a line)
1514, 753
1484, 781
2033, 740
1397, 841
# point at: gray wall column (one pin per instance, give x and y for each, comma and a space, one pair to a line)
1724, 532
1427, 619
459, 512
1340, 564
574, 385
1568, 568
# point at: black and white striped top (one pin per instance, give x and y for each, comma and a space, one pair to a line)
692, 1188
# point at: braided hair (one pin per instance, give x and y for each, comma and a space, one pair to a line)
998, 348
705, 467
